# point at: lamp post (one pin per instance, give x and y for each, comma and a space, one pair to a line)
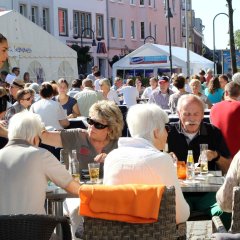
150, 37
81, 36
214, 48
169, 15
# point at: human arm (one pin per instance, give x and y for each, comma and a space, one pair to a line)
64, 123
223, 163
52, 138
3, 129
100, 157
224, 194
73, 188
75, 111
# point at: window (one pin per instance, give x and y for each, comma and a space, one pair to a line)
62, 21
86, 22
120, 28
173, 5
155, 30
132, 30
149, 3
142, 33
141, 2
100, 26
132, 2
23, 9
113, 27
45, 19
76, 23
34, 14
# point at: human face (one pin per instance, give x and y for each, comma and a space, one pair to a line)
3, 53
152, 83
222, 83
62, 88
26, 101
164, 85
13, 90
191, 115
95, 133
195, 88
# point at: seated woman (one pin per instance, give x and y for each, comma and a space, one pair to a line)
68, 103
140, 159
25, 168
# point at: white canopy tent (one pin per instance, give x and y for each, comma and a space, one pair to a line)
151, 59
36, 51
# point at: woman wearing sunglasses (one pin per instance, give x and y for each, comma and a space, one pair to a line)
105, 124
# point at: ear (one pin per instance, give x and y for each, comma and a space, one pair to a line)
156, 133
35, 141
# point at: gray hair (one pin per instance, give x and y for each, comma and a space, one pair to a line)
187, 98
109, 112
143, 119
25, 125
236, 78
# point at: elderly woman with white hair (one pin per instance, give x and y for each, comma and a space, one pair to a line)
108, 93
140, 160
25, 168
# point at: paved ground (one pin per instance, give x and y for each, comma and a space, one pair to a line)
199, 230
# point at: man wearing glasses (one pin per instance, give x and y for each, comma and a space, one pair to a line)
15, 86
24, 101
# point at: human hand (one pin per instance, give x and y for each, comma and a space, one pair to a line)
100, 157
211, 155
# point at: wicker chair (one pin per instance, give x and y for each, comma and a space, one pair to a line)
165, 228
235, 224
32, 227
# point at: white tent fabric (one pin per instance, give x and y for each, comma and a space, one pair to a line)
29, 43
179, 59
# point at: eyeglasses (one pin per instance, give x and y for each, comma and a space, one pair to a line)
27, 99
97, 125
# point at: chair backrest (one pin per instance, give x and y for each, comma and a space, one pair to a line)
164, 228
235, 224
32, 227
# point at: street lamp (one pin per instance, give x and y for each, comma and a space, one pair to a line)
81, 36
214, 48
169, 15
150, 37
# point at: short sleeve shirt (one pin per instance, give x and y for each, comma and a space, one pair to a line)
78, 139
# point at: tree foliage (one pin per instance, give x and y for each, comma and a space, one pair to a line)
83, 57
237, 38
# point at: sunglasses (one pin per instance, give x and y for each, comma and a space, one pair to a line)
27, 99
97, 125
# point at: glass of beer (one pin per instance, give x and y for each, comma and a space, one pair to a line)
94, 172
203, 158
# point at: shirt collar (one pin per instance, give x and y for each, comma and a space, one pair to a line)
17, 141
202, 130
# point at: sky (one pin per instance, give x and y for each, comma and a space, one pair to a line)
207, 10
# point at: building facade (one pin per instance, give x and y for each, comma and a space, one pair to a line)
109, 27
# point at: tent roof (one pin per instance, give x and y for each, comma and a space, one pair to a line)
178, 53
26, 39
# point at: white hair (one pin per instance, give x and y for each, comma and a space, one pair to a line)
187, 98
143, 119
25, 125
236, 78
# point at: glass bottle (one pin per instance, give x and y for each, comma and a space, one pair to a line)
190, 166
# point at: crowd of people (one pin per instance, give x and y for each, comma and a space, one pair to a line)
32, 113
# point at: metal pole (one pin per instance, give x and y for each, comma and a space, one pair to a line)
169, 38
187, 39
214, 47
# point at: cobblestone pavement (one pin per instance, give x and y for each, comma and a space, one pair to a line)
199, 230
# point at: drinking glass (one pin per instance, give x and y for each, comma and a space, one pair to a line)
74, 167
94, 172
203, 159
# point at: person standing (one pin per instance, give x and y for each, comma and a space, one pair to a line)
225, 115
161, 96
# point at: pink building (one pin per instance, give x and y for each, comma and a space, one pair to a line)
131, 22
